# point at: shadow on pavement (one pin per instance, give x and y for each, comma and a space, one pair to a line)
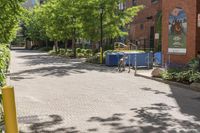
43, 127
151, 119
187, 100
54, 66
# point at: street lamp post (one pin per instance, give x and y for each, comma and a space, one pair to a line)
101, 42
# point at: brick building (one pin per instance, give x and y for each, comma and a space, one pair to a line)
143, 28
178, 47
180, 31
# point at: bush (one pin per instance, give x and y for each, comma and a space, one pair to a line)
94, 59
186, 75
88, 51
62, 52
52, 52
4, 62
193, 64
78, 50
80, 55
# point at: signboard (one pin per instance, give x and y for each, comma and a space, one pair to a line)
198, 20
157, 36
177, 31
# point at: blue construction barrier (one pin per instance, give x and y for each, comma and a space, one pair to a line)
143, 59
112, 59
158, 58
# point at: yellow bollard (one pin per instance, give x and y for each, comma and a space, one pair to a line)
101, 55
9, 109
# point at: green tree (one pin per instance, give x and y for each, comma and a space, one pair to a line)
9, 19
34, 25
63, 20
113, 18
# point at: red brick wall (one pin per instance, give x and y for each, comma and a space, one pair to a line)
190, 8
198, 29
150, 9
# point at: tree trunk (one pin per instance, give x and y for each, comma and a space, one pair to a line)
56, 46
46, 42
93, 46
66, 43
74, 47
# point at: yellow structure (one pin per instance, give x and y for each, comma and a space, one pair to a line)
101, 55
9, 109
121, 46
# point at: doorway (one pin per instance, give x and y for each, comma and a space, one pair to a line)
152, 32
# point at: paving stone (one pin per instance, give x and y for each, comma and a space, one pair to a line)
58, 95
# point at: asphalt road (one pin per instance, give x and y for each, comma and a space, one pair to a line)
56, 95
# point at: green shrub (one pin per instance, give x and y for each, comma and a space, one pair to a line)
4, 62
186, 75
52, 52
88, 51
193, 64
95, 59
62, 52
195, 77
78, 50
80, 55
69, 53
83, 51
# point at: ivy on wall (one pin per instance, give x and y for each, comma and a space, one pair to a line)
159, 30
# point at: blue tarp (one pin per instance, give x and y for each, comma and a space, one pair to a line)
158, 58
143, 59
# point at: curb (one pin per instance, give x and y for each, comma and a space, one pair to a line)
184, 86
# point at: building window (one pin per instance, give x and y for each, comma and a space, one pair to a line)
154, 1
134, 2
141, 26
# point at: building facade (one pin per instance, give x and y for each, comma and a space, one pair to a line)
180, 30
144, 26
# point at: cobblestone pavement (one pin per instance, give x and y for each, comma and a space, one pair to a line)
56, 95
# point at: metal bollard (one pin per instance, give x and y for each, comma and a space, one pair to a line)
148, 60
129, 63
9, 109
101, 55
135, 64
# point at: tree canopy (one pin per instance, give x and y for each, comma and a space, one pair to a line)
9, 19
62, 20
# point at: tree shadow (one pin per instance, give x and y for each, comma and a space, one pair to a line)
44, 127
55, 66
153, 119
188, 101
154, 91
